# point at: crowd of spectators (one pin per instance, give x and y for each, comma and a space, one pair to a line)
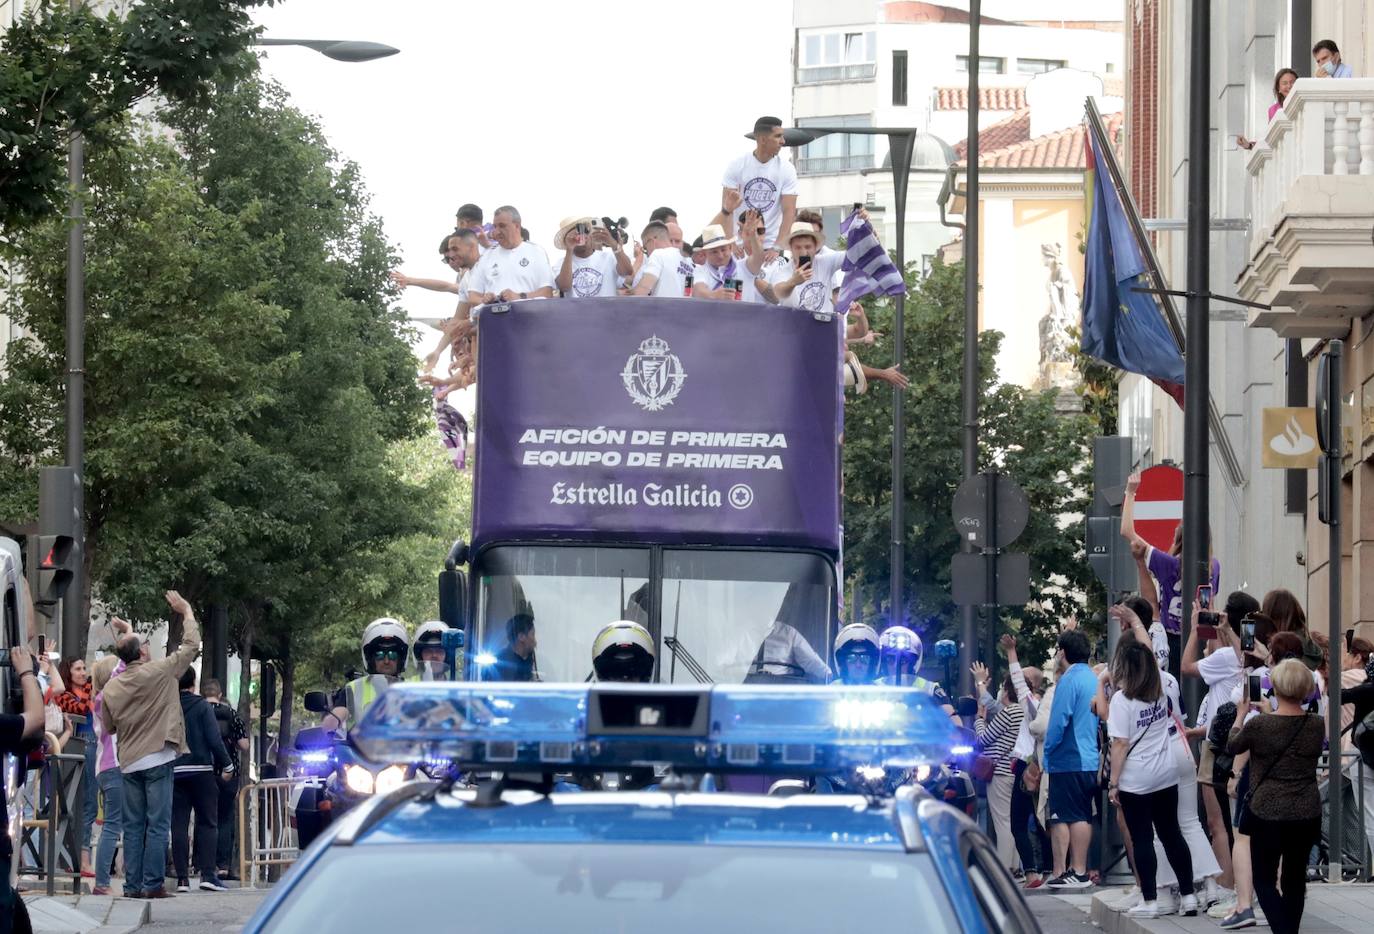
1236, 830
757, 247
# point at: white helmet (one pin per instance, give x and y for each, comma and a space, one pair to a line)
385, 632
853, 641
429, 634
623, 651
899, 656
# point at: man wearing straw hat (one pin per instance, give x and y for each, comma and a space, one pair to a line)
588, 271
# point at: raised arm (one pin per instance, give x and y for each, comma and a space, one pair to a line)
1128, 512
177, 663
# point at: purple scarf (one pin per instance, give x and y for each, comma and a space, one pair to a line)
722, 274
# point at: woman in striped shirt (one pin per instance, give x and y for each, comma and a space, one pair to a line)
997, 737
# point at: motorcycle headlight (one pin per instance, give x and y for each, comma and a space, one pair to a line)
389, 778
922, 773
358, 779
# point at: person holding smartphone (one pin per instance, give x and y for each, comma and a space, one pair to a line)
17, 730
1281, 812
1166, 566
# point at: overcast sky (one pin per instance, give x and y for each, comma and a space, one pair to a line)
601, 107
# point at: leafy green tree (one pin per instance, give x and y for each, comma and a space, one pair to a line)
1019, 432
64, 69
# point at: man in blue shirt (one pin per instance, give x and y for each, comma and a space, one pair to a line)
1329, 64
1071, 764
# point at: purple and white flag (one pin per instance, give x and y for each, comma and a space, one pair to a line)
453, 432
867, 268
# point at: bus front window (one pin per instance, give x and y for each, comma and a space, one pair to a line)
540, 608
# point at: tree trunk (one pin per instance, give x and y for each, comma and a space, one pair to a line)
246, 669
288, 677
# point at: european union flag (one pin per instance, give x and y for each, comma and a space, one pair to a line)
1122, 327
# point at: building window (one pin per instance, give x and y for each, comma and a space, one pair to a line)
837, 152
1037, 66
986, 64
899, 78
1111, 68
836, 56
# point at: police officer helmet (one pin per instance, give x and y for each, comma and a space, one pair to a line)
856, 654
385, 633
899, 655
623, 651
430, 635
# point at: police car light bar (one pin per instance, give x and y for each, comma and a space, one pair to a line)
701, 728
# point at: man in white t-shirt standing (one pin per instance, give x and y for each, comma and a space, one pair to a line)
766, 182
588, 271
666, 272
515, 270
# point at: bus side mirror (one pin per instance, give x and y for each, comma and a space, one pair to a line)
453, 598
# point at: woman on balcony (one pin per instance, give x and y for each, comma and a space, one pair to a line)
1283, 83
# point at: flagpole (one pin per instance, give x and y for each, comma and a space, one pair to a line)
968, 642
1196, 568
1225, 451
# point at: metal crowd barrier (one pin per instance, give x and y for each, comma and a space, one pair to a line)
49, 844
1352, 767
267, 841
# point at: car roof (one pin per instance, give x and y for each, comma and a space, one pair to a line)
716, 819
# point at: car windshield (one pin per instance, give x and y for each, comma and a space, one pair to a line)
720, 615
566, 888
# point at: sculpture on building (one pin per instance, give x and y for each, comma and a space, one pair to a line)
1056, 353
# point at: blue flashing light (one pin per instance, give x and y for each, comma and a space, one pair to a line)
721, 728
961, 750
315, 758
484, 659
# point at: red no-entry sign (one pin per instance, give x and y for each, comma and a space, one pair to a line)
1159, 505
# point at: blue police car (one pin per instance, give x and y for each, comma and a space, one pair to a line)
492, 847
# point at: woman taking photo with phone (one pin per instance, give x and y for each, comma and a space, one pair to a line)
1144, 774
1281, 811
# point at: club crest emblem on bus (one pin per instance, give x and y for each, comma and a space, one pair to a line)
653, 375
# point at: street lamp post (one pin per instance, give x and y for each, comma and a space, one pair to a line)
901, 144
74, 616
341, 50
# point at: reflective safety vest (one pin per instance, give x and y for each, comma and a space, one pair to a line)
360, 693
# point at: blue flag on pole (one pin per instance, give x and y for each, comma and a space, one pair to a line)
1122, 327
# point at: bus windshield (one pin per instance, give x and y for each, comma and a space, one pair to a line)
718, 616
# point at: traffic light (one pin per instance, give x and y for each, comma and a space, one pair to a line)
58, 523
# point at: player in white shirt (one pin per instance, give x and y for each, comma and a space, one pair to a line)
806, 284
588, 271
469, 217
665, 271
461, 253
713, 279
514, 270
766, 182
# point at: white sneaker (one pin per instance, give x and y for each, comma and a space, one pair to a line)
1127, 899
1167, 901
1216, 892
1187, 906
1147, 910
1224, 908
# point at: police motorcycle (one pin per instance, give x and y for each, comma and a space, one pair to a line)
862, 657
331, 777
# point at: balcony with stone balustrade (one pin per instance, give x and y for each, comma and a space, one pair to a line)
1311, 240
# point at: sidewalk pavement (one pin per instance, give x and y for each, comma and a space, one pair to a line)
85, 914
1331, 909
187, 913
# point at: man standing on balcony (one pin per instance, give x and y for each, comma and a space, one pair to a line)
1329, 64
766, 182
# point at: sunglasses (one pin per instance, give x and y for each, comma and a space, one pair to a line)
389, 654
